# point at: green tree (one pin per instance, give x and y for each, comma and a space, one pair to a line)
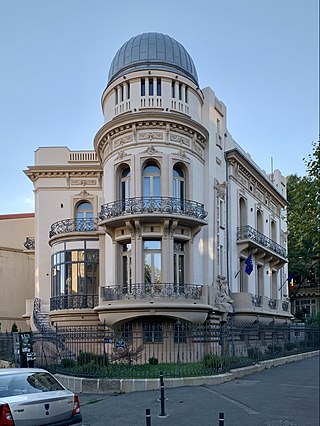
303, 194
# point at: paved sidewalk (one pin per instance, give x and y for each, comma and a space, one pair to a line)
287, 395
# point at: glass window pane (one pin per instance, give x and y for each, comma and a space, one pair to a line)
152, 244
158, 86
146, 187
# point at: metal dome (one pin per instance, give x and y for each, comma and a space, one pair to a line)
152, 51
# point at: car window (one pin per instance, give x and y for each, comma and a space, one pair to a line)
26, 383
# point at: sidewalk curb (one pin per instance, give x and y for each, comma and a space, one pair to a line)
86, 385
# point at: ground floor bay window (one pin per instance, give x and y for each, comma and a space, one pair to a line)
74, 279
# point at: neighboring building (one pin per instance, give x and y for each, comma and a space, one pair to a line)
157, 222
306, 296
16, 268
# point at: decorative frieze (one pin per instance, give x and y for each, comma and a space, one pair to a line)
180, 139
122, 140
150, 136
83, 182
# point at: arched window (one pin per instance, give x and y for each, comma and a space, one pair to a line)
259, 222
273, 231
84, 216
178, 190
125, 184
151, 181
243, 212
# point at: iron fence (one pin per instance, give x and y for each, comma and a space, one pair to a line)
6, 347
179, 349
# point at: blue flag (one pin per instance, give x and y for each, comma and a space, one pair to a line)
249, 265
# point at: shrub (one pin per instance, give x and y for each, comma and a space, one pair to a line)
212, 361
91, 358
14, 328
68, 363
153, 361
255, 353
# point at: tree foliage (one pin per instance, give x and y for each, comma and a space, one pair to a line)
303, 194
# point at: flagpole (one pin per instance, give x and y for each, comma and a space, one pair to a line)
241, 267
283, 283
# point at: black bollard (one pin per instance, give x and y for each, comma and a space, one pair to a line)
148, 417
162, 398
221, 419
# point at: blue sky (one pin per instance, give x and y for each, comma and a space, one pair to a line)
259, 56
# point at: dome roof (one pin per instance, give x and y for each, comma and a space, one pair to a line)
152, 51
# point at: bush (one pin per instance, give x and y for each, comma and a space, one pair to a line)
14, 328
153, 361
213, 361
255, 353
68, 363
91, 358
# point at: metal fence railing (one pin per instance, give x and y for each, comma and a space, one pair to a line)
178, 349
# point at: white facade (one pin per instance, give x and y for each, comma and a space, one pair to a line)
157, 221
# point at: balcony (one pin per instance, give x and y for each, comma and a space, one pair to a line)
150, 291
249, 306
256, 239
153, 206
78, 301
66, 226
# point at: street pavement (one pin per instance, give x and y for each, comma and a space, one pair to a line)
287, 395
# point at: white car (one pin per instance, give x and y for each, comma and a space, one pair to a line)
32, 397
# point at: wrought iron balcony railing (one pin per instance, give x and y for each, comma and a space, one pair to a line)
285, 306
249, 233
256, 300
147, 291
29, 243
73, 225
160, 205
74, 301
272, 303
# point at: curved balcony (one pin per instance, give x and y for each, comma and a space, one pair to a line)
153, 206
74, 301
150, 291
255, 237
73, 225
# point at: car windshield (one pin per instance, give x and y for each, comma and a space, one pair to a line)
26, 383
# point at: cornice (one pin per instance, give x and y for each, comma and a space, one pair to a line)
37, 172
259, 181
128, 126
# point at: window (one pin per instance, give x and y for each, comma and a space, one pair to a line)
186, 95
151, 181
152, 262
178, 186
180, 332
153, 332
178, 267
173, 92
116, 96
158, 86
125, 185
84, 217
143, 87
126, 268
121, 92
75, 272
180, 92
150, 86
128, 90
